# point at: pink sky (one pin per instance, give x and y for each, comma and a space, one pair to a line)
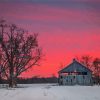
67, 28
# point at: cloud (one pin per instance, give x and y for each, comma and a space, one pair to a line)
66, 27
37, 12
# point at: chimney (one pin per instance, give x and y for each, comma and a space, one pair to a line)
74, 60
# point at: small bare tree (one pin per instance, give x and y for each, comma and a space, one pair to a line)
96, 64
19, 51
85, 60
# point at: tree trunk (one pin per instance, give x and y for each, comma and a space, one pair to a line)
12, 77
13, 82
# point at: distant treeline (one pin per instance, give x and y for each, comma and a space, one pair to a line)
33, 80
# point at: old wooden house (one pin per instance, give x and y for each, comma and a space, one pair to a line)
75, 73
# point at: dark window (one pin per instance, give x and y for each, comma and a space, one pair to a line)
61, 77
84, 73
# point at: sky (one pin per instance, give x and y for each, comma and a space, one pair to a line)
66, 28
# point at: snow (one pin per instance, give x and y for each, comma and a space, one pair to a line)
50, 92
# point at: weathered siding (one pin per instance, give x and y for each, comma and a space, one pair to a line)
78, 79
75, 73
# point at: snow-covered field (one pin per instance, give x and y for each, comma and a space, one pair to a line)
50, 92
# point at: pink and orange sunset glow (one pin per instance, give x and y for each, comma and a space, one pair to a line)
67, 28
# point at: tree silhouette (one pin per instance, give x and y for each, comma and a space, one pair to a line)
96, 64
19, 51
86, 60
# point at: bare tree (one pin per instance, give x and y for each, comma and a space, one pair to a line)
96, 64
86, 60
19, 51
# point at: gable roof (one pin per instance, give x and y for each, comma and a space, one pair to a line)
75, 66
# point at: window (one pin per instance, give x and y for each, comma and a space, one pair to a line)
74, 77
61, 76
84, 73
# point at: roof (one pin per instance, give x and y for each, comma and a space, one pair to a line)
75, 66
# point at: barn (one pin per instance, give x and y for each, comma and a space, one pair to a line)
75, 74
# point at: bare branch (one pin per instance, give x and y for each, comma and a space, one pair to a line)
19, 53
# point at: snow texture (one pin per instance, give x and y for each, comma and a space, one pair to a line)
50, 92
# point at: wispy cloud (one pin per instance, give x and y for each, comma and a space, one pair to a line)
67, 27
